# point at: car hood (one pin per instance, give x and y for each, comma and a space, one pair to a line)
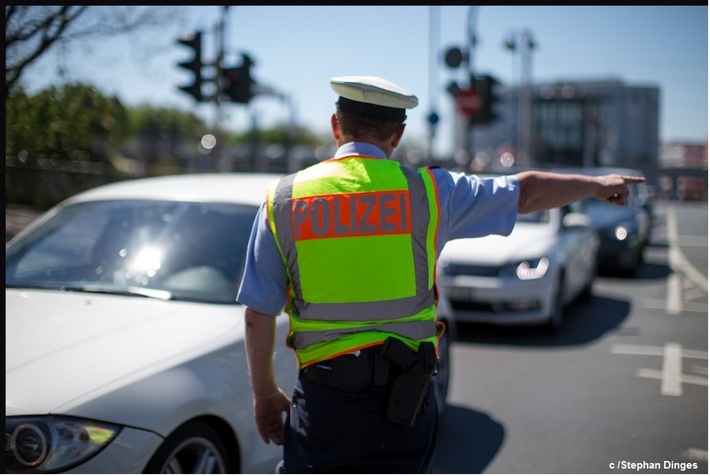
526, 241
65, 348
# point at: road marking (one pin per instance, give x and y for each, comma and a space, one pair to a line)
672, 369
676, 260
671, 375
684, 274
696, 453
654, 350
687, 306
674, 298
658, 375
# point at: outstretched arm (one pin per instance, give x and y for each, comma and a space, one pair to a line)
545, 190
269, 401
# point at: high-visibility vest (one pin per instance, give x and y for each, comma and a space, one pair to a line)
358, 239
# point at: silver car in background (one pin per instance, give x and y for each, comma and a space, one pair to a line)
526, 278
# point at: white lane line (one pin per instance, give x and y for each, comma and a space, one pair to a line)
672, 370
636, 350
687, 306
696, 454
658, 375
671, 375
677, 260
655, 350
674, 298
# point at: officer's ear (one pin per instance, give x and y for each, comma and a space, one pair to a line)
335, 127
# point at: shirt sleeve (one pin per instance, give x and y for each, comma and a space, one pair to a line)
473, 206
264, 282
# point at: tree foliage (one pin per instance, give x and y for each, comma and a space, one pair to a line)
164, 122
72, 122
76, 122
283, 135
31, 31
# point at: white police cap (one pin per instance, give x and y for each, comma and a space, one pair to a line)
372, 96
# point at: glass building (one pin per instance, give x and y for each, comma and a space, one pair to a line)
572, 124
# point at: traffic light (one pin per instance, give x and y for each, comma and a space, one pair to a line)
193, 65
238, 81
486, 86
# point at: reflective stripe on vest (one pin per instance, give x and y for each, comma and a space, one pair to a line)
325, 209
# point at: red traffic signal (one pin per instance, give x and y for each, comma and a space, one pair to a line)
468, 102
238, 81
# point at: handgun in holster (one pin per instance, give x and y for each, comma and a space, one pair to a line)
414, 371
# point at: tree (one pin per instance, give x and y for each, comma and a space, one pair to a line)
73, 122
31, 31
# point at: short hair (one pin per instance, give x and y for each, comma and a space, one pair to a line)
357, 126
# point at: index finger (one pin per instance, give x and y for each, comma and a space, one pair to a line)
633, 179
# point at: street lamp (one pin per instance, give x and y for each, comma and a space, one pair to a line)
523, 43
510, 44
472, 10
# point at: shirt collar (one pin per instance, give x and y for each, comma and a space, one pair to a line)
359, 148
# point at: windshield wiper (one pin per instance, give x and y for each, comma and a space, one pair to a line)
129, 291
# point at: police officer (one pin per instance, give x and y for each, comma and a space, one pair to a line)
348, 246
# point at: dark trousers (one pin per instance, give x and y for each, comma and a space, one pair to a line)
332, 431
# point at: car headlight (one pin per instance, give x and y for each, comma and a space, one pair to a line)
53, 444
621, 232
527, 269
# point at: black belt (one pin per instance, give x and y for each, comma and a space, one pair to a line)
354, 372
320, 374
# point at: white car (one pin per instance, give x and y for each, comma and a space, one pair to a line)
123, 341
528, 277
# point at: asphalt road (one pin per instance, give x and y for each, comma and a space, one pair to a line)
622, 388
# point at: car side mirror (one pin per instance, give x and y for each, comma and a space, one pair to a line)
576, 220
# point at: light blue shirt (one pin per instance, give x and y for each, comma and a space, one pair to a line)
470, 207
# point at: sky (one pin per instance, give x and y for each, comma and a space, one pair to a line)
297, 49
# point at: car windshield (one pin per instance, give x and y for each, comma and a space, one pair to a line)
163, 249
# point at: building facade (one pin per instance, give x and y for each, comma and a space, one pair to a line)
571, 124
683, 170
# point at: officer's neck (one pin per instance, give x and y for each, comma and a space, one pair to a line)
385, 145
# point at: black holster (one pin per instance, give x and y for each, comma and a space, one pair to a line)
413, 372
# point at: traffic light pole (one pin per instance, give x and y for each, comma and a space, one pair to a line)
471, 34
219, 163
231, 84
527, 44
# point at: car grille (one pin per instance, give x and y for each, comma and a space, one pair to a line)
457, 269
472, 306
496, 307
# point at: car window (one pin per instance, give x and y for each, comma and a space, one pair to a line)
193, 251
